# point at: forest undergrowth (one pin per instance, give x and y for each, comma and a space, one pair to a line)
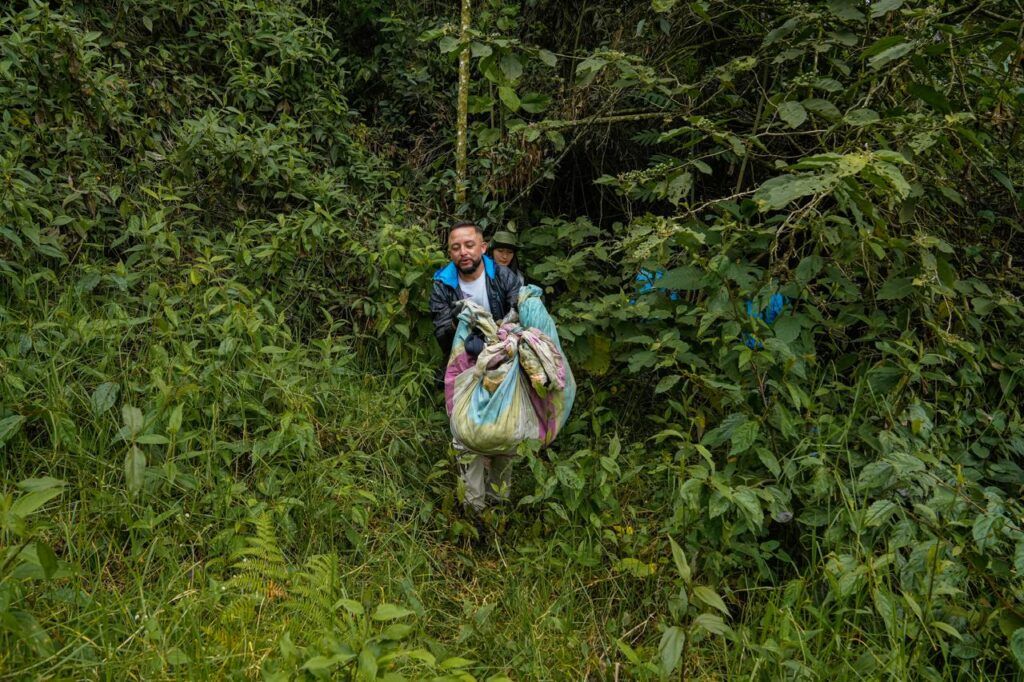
222, 451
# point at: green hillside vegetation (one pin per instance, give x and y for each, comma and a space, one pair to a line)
222, 451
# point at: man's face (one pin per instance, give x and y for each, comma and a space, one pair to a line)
466, 248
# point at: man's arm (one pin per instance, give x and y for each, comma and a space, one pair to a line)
444, 322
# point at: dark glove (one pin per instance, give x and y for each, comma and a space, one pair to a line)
474, 344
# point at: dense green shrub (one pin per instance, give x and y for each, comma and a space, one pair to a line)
220, 224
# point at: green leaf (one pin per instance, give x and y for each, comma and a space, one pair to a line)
547, 57
449, 44
984, 530
47, 559
588, 69
882, 7
535, 102
628, 652
455, 662
104, 397
889, 54
390, 612
367, 663
38, 484
9, 426
793, 113
509, 97
511, 66
635, 567
823, 108
174, 422
711, 622
1017, 646
710, 597
879, 512
875, 475
683, 278
881, 45
886, 607
134, 469
787, 328
861, 117
748, 502
808, 268
396, 632
947, 628
892, 177
488, 136
895, 288
556, 139
480, 49
133, 419
666, 383
846, 9
778, 192
670, 649
769, 461
930, 96
744, 436
34, 500
663, 6
350, 605
680, 561
724, 430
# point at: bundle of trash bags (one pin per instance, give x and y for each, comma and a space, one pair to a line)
518, 388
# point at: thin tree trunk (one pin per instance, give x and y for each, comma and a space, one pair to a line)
461, 143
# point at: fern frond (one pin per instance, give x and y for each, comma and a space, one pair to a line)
262, 574
315, 589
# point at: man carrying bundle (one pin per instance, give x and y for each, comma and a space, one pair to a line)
473, 275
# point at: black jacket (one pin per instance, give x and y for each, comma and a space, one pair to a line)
502, 294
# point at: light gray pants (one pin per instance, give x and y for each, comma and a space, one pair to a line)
484, 479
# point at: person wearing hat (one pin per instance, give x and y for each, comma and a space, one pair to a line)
503, 249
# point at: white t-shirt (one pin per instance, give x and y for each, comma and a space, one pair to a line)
476, 291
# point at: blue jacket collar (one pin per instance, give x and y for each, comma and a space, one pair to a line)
449, 275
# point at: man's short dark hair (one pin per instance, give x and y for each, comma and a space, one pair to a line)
466, 223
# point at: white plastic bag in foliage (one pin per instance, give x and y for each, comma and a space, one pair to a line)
520, 387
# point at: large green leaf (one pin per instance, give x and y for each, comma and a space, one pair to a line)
510, 66
390, 612
708, 596
104, 397
879, 512
1017, 646
32, 501
134, 469
509, 98
9, 426
743, 437
931, 96
670, 649
890, 54
882, 7
895, 288
793, 113
535, 102
780, 191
